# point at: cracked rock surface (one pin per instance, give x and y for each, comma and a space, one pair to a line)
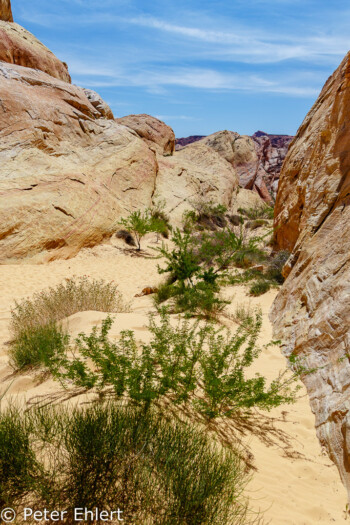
311, 314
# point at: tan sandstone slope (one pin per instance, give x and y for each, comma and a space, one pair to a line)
312, 312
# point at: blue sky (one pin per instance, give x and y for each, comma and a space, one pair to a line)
201, 66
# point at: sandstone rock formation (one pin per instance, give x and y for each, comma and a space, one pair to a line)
312, 312
196, 172
6, 11
67, 173
155, 132
240, 152
257, 159
18, 46
271, 151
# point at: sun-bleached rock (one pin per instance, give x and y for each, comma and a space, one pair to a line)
67, 173
6, 11
19, 46
155, 132
312, 311
194, 173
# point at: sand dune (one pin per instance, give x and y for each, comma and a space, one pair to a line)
294, 481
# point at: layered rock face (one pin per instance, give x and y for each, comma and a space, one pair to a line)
6, 11
68, 171
257, 159
239, 151
155, 132
271, 151
311, 314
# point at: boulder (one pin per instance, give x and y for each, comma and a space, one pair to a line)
194, 173
311, 314
155, 132
19, 46
68, 172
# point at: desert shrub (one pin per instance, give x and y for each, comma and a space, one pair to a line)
39, 345
176, 362
263, 211
259, 288
104, 456
197, 263
164, 292
126, 236
205, 214
275, 266
202, 300
242, 313
257, 223
71, 296
140, 223
160, 219
18, 465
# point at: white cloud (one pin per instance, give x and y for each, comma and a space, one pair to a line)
251, 45
156, 80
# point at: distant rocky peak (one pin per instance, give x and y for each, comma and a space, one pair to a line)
6, 11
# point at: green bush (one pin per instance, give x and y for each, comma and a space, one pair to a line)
201, 300
156, 471
140, 223
71, 296
176, 363
18, 465
196, 265
259, 288
263, 211
38, 346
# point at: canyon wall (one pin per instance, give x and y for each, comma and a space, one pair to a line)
311, 314
257, 159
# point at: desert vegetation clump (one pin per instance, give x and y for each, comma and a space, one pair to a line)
196, 264
37, 335
139, 223
258, 212
106, 456
69, 297
39, 345
204, 215
190, 363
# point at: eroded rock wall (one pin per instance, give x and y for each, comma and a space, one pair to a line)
311, 314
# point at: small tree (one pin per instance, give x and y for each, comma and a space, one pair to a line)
139, 223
